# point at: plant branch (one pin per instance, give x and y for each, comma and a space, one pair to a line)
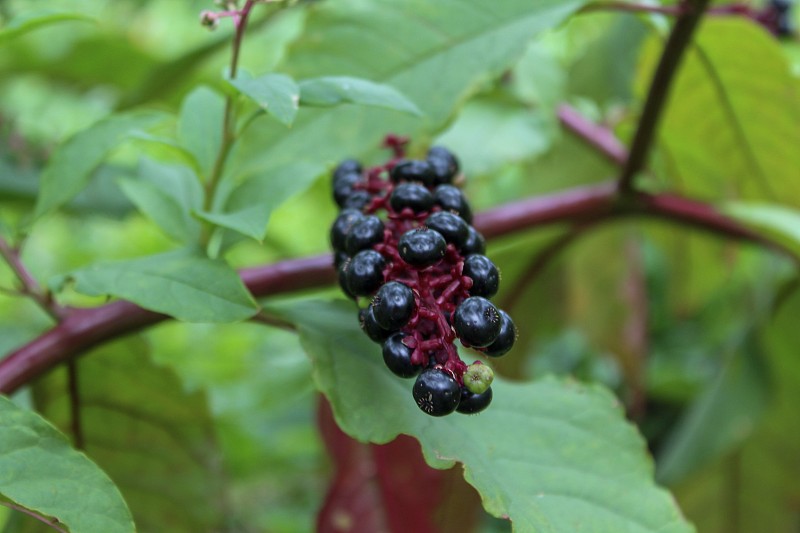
29, 286
632, 7
677, 42
52, 522
83, 329
595, 135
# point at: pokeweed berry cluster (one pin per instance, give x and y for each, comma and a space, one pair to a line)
403, 239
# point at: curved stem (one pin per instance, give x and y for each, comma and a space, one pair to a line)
83, 329
677, 43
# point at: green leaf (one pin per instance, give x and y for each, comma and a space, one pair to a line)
167, 194
726, 131
553, 456
732, 405
27, 22
439, 54
39, 470
70, 167
200, 126
277, 94
185, 285
777, 220
334, 90
250, 205
155, 439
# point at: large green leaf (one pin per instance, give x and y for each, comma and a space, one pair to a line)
70, 167
155, 440
435, 53
553, 456
732, 123
182, 284
200, 126
40, 471
26, 22
778, 221
277, 94
333, 90
249, 206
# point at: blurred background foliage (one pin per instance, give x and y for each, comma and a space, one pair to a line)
680, 324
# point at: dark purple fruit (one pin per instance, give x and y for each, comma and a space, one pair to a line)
452, 227
397, 356
412, 195
477, 322
505, 340
485, 276
475, 243
422, 247
368, 324
444, 164
436, 392
393, 305
365, 232
474, 403
450, 198
341, 227
413, 170
364, 273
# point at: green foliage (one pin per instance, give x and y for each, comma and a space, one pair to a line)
132, 167
43, 473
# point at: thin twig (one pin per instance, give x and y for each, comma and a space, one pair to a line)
677, 43
595, 135
29, 286
632, 7
76, 425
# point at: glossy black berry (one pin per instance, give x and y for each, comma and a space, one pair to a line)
358, 199
452, 227
368, 324
412, 195
485, 277
397, 356
444, 163
475, 243
474, 403
339, 258
421, 247
346, 175
393, 305
341, 272
505, 340
341, 227
477, 322
413, 170
365, 232
436, 392
450, 198
346, 167
364, 272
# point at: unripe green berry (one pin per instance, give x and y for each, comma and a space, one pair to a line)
478, 377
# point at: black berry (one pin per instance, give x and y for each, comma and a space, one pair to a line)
477, 322
436, 392
368, 324
452, 227
505, 340
450, 198
444, 164
397, 356
364, 272
413, 170
475, 243
364, 233
485, 277
393, 305
345, 168
422, 247
341, 272
474, 403
412, 195
357, 200
341, 227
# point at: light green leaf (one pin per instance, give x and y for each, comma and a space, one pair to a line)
200, 126
277, 94
554, 456
185, 285
40, 471
250, 205
155, 440
70, 167
27, 22
777, 220
731, 126
438, 54
167, 194
335, 90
